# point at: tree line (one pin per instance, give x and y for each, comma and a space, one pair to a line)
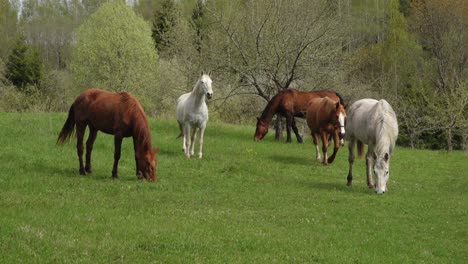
411, 52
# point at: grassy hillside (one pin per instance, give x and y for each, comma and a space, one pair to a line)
244, 202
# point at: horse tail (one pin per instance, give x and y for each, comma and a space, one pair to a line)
68, 128
181, 132
360, 148
340, 97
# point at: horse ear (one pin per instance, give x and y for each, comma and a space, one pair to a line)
346, 106
209, 73
374, 155
258, 119
337, 105
386, 157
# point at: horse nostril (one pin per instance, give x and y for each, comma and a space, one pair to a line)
209, 95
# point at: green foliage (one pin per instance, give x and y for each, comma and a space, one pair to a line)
24, 65
114, 50
245, 202
8, 28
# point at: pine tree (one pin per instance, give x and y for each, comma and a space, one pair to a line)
199, 24
163, 23
24, 65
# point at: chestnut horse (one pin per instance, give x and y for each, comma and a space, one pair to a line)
118, 114
290, 103
326, 118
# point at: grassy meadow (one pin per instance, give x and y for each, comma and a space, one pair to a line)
243, 202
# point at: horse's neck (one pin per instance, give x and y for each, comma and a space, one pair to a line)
270, 110
197, 96
141, 137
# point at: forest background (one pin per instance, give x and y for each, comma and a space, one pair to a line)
411, 52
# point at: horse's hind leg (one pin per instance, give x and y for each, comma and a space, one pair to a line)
352, 142
316, 139
80, 130
89, 147
296, 131
117, 148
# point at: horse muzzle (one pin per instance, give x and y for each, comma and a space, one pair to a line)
209, 95
341, 135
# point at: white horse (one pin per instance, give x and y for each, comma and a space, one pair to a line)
192, 113
373, 123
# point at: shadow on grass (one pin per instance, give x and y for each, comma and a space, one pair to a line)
288, 160
334, 186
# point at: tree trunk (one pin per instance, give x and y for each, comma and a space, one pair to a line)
465, 142
449, 139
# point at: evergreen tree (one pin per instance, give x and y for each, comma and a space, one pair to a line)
24, 65
164, 22
199, 24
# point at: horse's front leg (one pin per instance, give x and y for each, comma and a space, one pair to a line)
202, 133
288, 128
369, 166
351, 144
336, 143
296, 131
192, 145
80, 131
89, 147
117, 149
324, 137
187, 140
138, 173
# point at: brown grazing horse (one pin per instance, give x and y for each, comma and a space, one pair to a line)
326, 118
290, 103
118, 114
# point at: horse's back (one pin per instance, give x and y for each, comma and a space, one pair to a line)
298, 100
107, 111
364, 116
318, 111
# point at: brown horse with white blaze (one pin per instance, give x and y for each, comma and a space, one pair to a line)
290, 103
118, 114
326, 118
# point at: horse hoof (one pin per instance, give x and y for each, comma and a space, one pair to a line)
88, 170
349, 183
82, 172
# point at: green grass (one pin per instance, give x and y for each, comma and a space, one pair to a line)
244, 202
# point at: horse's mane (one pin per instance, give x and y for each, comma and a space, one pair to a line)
340, 97
269, 107
386, 122
141, 126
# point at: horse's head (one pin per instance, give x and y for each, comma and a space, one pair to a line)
147, 166
205, 86
261, 130
340, 121
381, 172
